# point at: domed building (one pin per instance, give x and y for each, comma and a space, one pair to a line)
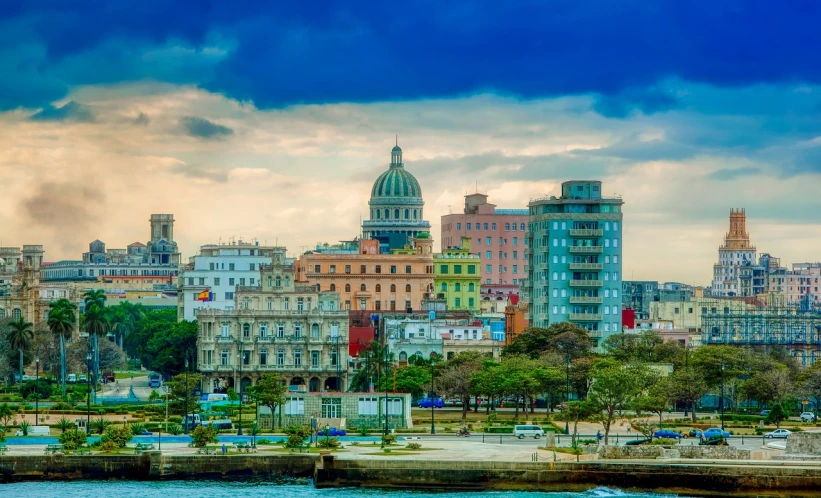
395, 207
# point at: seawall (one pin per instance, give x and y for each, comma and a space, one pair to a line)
693, 479
152, 465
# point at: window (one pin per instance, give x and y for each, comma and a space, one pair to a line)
615, 293
471, 303
280, 357
522, 227
225, 357
564, 292
216, 281
564, 310
471, 287
242, 281
515, 241
347, 287
615, 225
246, 330
362, 288
231, 266
555, 310
615, 260
515, 268
246, 357
231, 281
606, 292
294, 406
407, 288
333, 288
606, 310
489, 269
393, 287
332, 407
280, 330
362, 268
393, 268
443, 269
314, 358
347, 268
457, 269
457, 302
564, 275
407, 268
555, 242
333, 268
488, 254
555, 293
369, 406
458, 226
378, 269
457, 287
229, 296
297, 357
493, 226
298, 330
314, 330
468, 226
378, 288
489, 241
507, 226
555, 275
299, 304
615, 242
615, 310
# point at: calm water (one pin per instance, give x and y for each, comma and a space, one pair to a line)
301, 489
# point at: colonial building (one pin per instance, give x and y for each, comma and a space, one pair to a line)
575, 262
734, 272
395, 207
277, 325
22, 295
367, 279
498, 236
456, 277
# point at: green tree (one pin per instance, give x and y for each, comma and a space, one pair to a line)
560, 337
521, 377
73, 439
717, 362
182, 389
809, 385
61, 320
161, 342
777, 414
656, 399
124, 319
574, 412
412, 379
116, 435
202, 435
455, 377
372, 367
488, 382
269, 391
96, 322
687, 386
614, 389
768, 386
20, 336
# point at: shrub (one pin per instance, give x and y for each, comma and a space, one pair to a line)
388, 438
65, 424
24, 427
387, 450
296, 435
328, 442
116, 434
174, 429
73, 439
2, 434
202, 435
663, 441
263, 440
109, 446
100, 424
32, 390
413, 446
136, 428
364, 431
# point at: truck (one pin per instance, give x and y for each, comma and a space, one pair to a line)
216, 420
108, 376
154, 380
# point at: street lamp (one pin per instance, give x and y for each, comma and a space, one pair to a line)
36, 388
385, 377
186, 394
88, 393
124, 421
432, 402
567, 395
721, 401
239, 345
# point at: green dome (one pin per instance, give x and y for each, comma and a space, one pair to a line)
423, 235
396, 182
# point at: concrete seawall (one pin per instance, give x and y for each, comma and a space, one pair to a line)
694, 479
151, 465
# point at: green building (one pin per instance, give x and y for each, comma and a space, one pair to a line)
456, 277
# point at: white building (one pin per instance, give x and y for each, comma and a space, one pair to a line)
218, 270
733, 274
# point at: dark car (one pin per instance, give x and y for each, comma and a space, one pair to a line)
716, 441
428, 402
636, 442
667, 434
144, 432
695, 433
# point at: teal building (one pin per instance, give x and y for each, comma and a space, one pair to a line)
576, 259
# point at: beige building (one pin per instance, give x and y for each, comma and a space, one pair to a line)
368, 280
687, 314
278, 326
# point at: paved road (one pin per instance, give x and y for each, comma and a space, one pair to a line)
139, 383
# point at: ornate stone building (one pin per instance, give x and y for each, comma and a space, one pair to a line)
395, 207
276, 326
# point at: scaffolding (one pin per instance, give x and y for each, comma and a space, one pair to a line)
795, 327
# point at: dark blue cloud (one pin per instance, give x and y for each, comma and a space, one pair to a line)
72, 111
280, 53
202, 128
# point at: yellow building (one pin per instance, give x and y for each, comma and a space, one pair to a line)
457, 277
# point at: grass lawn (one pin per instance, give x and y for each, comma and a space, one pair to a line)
127, 374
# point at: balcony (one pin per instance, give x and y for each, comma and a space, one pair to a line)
585, 317
586, 249
225, 339
541, 316
543, 266
585, 300
586, 266
586, 232
585, 283
541, 299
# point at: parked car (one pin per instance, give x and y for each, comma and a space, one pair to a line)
145, 432
427, 402
667, 433
82, 378
778, 433
765, 413
520, 431
332, 432
715, 432
695, 433
636, 442
72, 378
808, 417
717, 441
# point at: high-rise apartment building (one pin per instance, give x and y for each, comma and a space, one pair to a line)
498, 236
575, 259
736, 273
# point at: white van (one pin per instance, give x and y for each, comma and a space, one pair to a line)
520, 431
72, 378
36, 430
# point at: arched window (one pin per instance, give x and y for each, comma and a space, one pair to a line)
403, 356
407, 288
507, 226
279, 282
387, 213
522, 227
333, 287
315, 330
396, 214
407, 213
15, 313
393, 288
378, 288
457, 287
378, 214
363, 288
414, 214
347, 287
2, 313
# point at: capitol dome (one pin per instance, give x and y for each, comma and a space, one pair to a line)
396, 182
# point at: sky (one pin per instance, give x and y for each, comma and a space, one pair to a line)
270, 121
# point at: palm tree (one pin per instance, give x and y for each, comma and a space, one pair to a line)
374, 368
124, 317
20, 336
61, 322
96, 322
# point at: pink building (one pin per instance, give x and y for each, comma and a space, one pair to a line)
499, 236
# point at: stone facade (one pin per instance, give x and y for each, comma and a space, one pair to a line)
341, 410
647, 452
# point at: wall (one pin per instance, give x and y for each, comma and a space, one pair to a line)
649, 452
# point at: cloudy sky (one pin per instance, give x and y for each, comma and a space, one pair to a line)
268, 121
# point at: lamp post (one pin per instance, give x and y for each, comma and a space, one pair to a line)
385, 376
567, 394
88, 393
239, 356
124, 421
185, 417
36, 388
432, 391
721, 401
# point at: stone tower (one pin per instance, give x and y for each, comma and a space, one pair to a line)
162, 227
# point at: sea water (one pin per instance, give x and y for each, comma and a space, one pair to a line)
260, 488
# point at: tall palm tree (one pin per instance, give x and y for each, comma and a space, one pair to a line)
20, 337
124, 318
96, 322
61, 323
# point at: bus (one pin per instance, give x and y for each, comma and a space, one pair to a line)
154, 380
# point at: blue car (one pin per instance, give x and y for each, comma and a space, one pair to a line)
667, 434
332, 432
428, 402
715, 432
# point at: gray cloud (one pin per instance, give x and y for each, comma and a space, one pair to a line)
202, 128
142, 119
648, 101
200, 172
725, 174
644, 150
55, 206
71, 111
